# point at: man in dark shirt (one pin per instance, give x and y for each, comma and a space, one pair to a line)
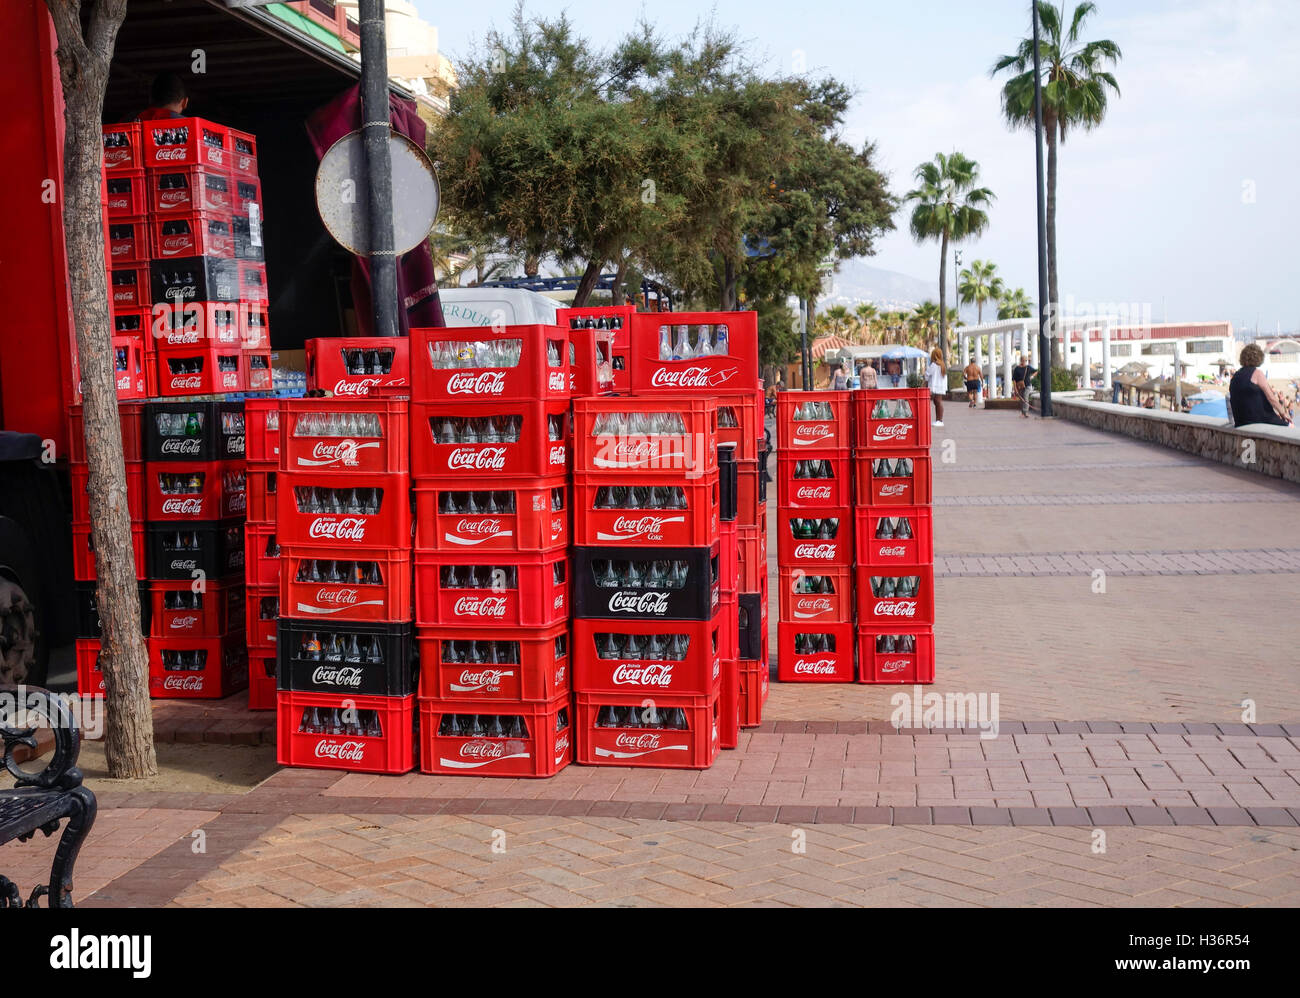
1020, 375
168, 96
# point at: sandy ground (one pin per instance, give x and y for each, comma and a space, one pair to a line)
196, 768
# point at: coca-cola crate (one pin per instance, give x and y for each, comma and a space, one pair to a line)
123, 147
734, 369
315, 584
613, 317
814, 483
338, 436
524, 439
902, 653
252, 282
263, 617
130, 287
877, 530
637, 583
360, 511
591, 362
128, 241
197, 668
893, 477
88, 622
184, 190
485, 364
194, 278
749, 487
640, 509
178, 550
377, 735
616, 320
199, 370
126, 194
255, 366
740, 422
247, 228
170, 142
261, 555
674, 732
135, 491
194, 490
816, 596
822, 539
729, 705
514, 515
670, 436
518, 590
262, 429
243, 153
83, 551
486, 737
750, 635
751, 556
359, 365
247, 195
891, 417
194, 431
214, 610
90, 674
198, 233
254, 326
196, 324
728, 627
814, 653
345, 658
261, 678
810, 423
683, 657
901, 594
261, 486
729, 552
728, 482
754, 681
497, 663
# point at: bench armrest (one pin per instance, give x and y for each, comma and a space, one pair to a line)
18, 727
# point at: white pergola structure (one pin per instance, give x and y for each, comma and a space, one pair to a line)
1024, 333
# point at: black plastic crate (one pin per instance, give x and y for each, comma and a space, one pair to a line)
246, 248
749, 615
194, 431
345, 657
175, 551
604, 587
728, 482
194, 278
88, 623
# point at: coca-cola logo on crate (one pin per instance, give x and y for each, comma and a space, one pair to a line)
187, 381
337, 675
646, 742
643, 675
183, 683
347, 751
894, 664
886, 432
892, 490
483, 750
632, 602
485, 383
185, 507
170, 199
813, 492
169, 153
891, 551
629, 527
180, 445
691, 377
184, 564
480, 530
344, 453
812, 433
637, 452
361, 386
556, 382
483, 679
561, 747
815, 552
124, 382
896, 608
175, 244
183, 623
346, 528
811, 606
480, 606
477, 459
814, 667
557, 454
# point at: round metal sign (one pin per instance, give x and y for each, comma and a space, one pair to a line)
345, 208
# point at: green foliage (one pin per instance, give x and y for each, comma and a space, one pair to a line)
778, 334
916, 381
1015, 305
1062, 380
979, 283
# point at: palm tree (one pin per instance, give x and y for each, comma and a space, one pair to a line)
866, 315
1075, 94
1015, 305
926, 317
949, 208
834, 320
979, 283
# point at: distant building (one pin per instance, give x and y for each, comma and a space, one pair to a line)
1203, 348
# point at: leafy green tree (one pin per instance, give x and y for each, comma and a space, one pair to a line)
979, 283
1015, 305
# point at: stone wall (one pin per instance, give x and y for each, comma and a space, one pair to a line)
1276, 448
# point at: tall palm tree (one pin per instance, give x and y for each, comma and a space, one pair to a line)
949, 207
835, 320
926, 318
1015, 305
866, 314
1076, 88
979, 283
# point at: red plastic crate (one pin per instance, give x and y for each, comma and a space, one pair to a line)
696, 673
735, 371
79, 473
692, 520
343, 513
263, 610
542, 751
316, 584
890, 488
262, 433
172, 142
617, 317
252, 282
179, 611
814, 493
728, 555
532, 439
90, 677
123, 147
344, 436
877, 611
199, 370
515, 590
200, 233
904, 664
128, 241
130, 288
890, 550
496, 663
261, 487
391, 750
254, 326
754, 682
261, 678
83, 552
173, 674
261, 555
243, 153
803, 552
833, 607
196, 323
184, 190
619, 434
814, 422
749, 508
194, 490
524, 515
694, 747
247, 195
751, 557
255, 370
464, 363
729, 705
873, 429
359, 365
728, 628
740, 422
834, 665
126, 194
591, 361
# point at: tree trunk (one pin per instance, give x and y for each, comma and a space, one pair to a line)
587, 284
83, 69
532, 263
943, 298
1053, 293
620, 275
729, 277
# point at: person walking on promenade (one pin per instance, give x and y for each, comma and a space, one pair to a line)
972, 375
936, 376
1020, 375
866, 376
1252, 397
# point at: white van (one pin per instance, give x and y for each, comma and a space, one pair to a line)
496, 306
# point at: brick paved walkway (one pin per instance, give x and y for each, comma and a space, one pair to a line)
1160, 711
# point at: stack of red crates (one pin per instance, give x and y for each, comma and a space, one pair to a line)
344, 664
893, 524
261, 548
815, 635
126, 252
490, 442
599, 340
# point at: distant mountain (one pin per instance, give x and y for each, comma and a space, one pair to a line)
858, 281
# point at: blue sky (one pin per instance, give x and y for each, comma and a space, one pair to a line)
1184, 200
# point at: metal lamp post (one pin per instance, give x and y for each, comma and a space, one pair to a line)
1044, 306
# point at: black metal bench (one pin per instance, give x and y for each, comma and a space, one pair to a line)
41, 799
